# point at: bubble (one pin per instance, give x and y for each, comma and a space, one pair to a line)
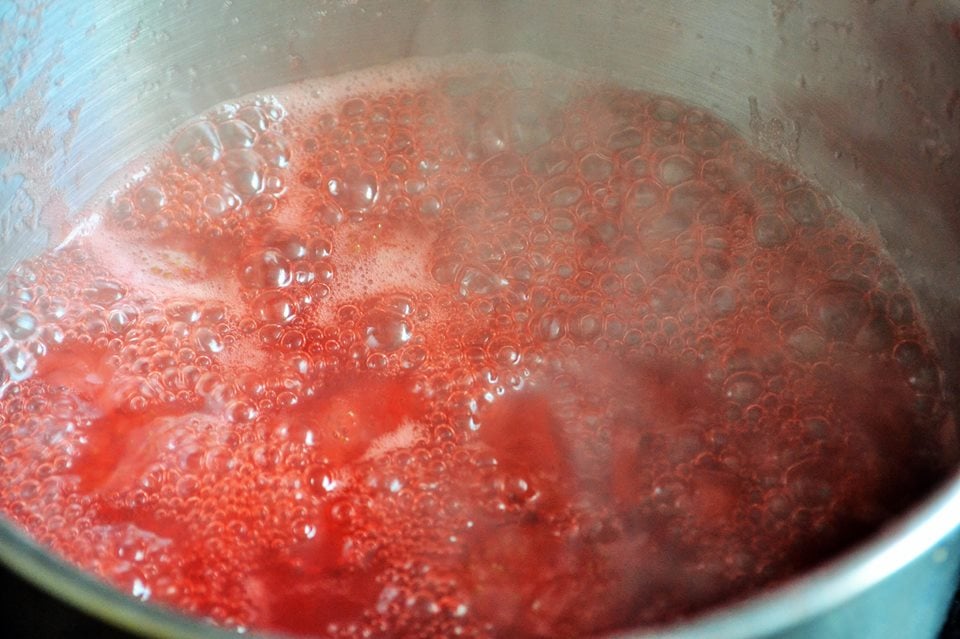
626, 138
723, 301
240, 412
550, 327
908, 353
477, 282
714, 264
644, 195
104, 292
21, 325
267, 269
123, 318
501, 166
803, 205
243, 171
253, 117
584, 324
506, 353
413, 357
838, 309
207, 340
275, 308
676, 169
742, 388
150, 199
236, 134
561, 191
274, 150
704, 138
18, 362
198, 146
387, 330
770, 231
595, 167
807, 343
356, 190
186, 311
548, 161
215, 205
292, 340
876, 335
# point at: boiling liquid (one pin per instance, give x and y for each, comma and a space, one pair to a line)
469, 349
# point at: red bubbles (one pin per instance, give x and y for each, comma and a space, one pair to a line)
266, 269
839, 309
505, 353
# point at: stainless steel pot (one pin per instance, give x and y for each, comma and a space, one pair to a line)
863, 96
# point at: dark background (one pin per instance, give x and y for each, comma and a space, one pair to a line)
30, 613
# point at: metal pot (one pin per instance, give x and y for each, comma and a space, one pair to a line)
862, 96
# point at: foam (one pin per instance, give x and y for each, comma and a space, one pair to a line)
161, 273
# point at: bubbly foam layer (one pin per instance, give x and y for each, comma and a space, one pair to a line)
469, 347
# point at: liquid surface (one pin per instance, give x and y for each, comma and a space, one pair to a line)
472, 349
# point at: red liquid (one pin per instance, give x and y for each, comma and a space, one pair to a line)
492, 352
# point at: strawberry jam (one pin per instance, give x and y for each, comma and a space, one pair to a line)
474, 348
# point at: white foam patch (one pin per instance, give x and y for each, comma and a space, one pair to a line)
405, 436
246, 354
378, 266
161, 273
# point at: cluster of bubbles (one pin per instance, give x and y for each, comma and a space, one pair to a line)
636, 346
218, 170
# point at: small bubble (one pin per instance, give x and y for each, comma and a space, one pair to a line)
236, 134
122, 319
561, 191
254, 118
742, 388
244, 172
770, 231
215, 205
273, 148
208, 340
22, 325
150, 199
387, 330
19, 363
356, 190
676, 169
803, 205
413, 357
240, 412
839, 310
266, 269
807, 343
198, 146
275, 308
104, 292
186, 311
